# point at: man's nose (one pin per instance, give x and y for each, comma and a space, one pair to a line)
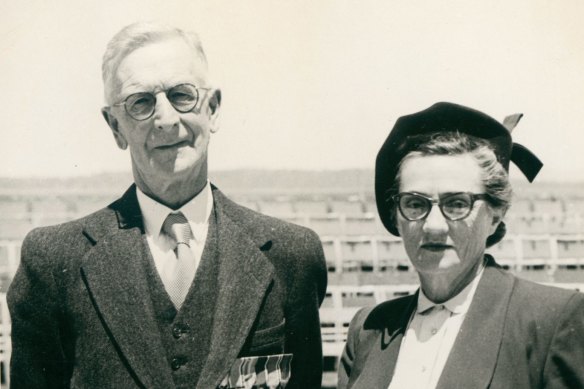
435, 221
166, 118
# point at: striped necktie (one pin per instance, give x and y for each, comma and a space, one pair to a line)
182, 272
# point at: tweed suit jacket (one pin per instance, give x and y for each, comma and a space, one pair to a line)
516, 335
82, 316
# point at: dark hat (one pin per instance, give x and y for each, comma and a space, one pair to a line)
412, 130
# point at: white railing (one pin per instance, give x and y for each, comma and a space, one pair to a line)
338, 222
517, 252
376, 254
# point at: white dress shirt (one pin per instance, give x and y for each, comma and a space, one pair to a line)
197, 212
429, 338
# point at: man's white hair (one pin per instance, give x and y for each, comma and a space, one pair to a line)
133, 37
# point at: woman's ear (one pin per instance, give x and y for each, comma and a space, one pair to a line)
497, 215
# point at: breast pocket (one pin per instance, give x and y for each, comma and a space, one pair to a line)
268, 340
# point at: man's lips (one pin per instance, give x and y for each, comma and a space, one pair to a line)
435, 246
173, 145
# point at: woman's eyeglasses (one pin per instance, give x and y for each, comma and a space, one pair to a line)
454, 206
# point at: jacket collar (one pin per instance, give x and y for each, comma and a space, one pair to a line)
473, 357
390, 319
245, 274
481, 330
117, 283
127, 210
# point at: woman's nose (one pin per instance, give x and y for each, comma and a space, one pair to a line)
435, 221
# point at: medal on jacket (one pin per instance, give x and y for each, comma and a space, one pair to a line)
263, 372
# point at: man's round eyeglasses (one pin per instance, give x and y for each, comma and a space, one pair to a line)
183, 97
454, 206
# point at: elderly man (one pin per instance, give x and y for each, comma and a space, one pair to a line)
172, 285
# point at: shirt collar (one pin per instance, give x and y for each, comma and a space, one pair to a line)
197, 212
457, 304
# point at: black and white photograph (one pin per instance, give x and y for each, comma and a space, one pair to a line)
308, 194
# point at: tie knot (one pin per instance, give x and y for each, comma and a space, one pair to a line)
177, 227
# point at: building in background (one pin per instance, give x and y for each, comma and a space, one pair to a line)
545, 240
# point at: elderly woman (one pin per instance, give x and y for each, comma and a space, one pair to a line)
442, 185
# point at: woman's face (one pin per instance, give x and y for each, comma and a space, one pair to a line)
436, 245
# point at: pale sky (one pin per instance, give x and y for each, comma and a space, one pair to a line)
306, 84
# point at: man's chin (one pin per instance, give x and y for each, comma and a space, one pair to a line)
178, 166
187, 161
184, 168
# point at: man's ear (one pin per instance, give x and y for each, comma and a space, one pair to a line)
112, 122
214, 109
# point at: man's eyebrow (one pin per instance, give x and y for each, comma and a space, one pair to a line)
136, 87
126, 90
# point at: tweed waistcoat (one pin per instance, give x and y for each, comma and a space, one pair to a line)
187, 343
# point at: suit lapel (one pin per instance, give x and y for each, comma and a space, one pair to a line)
115, 277
474, 355
244, 276
380, 364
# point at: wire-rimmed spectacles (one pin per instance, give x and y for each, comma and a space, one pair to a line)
141, 106
454, 206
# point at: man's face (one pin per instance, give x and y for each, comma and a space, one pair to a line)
436, 245
170, 145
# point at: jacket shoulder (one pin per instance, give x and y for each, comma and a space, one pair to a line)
543, 301
293, 249
71, 226
256, 223
61, 240
254, 217
533, 302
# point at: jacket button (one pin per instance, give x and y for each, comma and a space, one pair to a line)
176, 332
176, 363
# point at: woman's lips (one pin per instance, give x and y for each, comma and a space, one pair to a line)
435, 246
